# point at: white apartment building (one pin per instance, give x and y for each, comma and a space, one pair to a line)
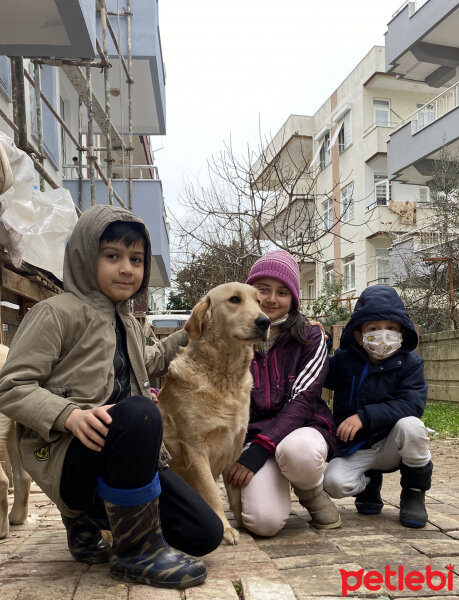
346, 140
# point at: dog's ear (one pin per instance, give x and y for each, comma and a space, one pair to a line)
199, 316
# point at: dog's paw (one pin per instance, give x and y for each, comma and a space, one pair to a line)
231, 536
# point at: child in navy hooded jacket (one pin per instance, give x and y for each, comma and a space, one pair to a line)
380, 395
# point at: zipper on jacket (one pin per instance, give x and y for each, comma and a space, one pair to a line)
275, 369
352, 391
256, 374
362, 377
268, 390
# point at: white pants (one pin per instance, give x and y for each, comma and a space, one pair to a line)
407, 442
299, 459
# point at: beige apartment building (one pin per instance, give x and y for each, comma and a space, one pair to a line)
357, 208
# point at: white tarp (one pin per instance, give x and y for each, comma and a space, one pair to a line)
36, 225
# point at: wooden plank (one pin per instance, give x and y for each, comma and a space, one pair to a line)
24, 287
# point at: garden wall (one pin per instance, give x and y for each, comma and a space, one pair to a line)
441, 357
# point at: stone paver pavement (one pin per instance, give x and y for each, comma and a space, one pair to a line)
300, 563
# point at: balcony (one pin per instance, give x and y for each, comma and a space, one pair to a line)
375, 140
149, 205
52, 28
148, 97
421, 42
287, 153
416, 142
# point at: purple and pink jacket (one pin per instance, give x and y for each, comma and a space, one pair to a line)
286, 395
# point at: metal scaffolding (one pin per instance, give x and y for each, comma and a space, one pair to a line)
79, 73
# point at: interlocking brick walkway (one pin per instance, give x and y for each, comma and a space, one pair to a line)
300, 563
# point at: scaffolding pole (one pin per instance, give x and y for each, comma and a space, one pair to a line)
80, 153
129, 83
90, 143
108, 133
19, 98
36, 75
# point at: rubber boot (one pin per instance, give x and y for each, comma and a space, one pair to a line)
415, 481
322, 509
369, 502
140, 553
84, 539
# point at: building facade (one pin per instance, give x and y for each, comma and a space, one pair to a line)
358, 210
82, 90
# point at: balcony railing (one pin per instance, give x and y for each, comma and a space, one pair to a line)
414, 7
433, 110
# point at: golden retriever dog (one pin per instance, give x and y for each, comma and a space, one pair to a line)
206, 395
9, 455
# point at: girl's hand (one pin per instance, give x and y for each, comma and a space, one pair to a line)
239, 476
349, 427
90, 425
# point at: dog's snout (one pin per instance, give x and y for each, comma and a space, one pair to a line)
262, 323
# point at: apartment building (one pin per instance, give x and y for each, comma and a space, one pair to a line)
422, 45
82, 90
358, 209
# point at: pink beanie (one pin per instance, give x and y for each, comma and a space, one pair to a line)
280, 265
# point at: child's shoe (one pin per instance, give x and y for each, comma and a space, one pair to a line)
415, 481
369, 502
413, 508
320, 506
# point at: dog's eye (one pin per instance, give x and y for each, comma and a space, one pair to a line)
235, 300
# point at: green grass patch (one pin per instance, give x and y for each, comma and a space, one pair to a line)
443, 418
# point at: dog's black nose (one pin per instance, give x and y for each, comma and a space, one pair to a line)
262, 323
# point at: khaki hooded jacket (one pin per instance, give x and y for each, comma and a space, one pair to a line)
61, 357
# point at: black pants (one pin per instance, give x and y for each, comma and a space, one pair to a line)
129, 460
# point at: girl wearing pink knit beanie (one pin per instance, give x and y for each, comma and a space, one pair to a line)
291, 433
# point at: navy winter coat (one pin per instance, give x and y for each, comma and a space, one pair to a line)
380, 393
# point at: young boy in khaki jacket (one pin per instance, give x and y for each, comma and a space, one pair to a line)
76, 380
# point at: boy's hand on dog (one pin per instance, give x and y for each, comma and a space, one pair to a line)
90, 425
239, 476
349, 427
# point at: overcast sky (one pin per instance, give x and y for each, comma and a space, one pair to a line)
232, 64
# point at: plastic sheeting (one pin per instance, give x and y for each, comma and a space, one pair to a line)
34, 225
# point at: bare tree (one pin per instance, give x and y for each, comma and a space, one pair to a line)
429, 259
265, 199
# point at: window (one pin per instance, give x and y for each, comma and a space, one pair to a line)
382, 265
426, 115
349, 273
5, 76
329, 274
345, 133
424, 195
325, 151
347, 202
381, 113
310, 289
327, 214
383, 190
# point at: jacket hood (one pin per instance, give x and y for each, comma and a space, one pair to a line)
80, 259
376, 303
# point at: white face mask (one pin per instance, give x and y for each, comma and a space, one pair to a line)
382, 343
